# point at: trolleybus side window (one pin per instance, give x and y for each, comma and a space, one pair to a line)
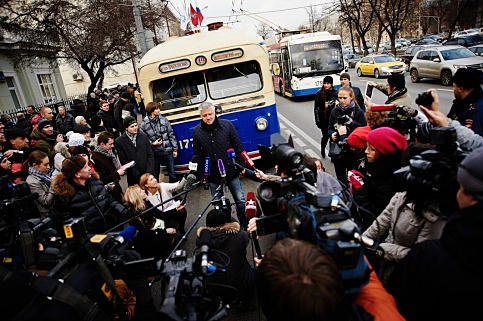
180, 90
233, 80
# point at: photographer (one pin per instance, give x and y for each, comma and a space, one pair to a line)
297, 280
344, 118
80, 193
440, 279
395, 90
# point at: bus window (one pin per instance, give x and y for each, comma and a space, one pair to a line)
179, 91
317, 57
233, 80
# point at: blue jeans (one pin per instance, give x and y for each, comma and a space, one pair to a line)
166, 160
236, 190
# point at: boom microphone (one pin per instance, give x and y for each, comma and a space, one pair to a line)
248, 160
251, 212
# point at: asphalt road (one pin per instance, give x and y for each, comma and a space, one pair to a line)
296, 119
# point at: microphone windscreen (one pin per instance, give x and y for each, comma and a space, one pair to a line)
205, 238
128, 233
207, 166
230, 153
247, 159
251, 206
221, 168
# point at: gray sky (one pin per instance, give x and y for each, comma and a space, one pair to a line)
220, 10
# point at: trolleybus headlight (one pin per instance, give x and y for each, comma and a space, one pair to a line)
261, 124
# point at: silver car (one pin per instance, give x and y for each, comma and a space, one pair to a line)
442, 62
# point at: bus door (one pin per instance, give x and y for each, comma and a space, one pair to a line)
285, 70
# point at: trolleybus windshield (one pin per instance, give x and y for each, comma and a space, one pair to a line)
314, 58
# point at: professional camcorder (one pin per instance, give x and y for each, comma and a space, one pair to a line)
293, 205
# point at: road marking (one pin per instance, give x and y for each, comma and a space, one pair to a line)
312, 153
287, 132
444, 89
299, 142
282, 126
300, 132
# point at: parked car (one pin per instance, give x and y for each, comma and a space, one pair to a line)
465, 33
352, 59
427, 41
379, 65
410, 52
467, 41
404, 42
442, 62
477, 50
434, 37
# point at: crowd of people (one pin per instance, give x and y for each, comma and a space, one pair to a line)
426, 222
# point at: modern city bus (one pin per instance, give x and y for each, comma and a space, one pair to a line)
228, 67
300, 62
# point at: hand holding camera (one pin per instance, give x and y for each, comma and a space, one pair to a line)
345, 120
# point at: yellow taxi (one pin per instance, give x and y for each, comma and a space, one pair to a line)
379, 65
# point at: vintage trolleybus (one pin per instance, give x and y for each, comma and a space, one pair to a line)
228, 67
300, 62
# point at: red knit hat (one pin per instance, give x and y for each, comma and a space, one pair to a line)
386, 140
358, 138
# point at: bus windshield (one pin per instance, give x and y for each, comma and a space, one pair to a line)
322, 57
234, 80
180, 90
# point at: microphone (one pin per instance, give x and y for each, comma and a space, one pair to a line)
205, 241
206, 172
221, 168
231, 155
193, 167
251, 212
386, 107
113, 244
248, 160
126, 235
187, 182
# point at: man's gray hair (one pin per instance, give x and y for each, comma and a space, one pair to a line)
206, 105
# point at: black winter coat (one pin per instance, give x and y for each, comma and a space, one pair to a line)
90, 201
142, 154
357, 115
442, 279
232, 241
321, 113
214, 143
65, 124
118, 107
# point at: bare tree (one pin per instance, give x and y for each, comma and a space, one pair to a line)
360, 16
264, 31
96, 34
392, 15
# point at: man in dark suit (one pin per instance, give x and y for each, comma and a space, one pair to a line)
134, 146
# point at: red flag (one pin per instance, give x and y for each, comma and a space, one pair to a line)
194, 15
199, 15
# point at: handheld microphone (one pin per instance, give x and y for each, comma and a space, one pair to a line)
193, 167
221, 168
231, 155
206, 172
251, 212
248, 160
205, 241
126, 235
387, 107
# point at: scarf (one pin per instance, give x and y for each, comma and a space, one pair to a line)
211, 127
109, 154
396, 94
132, 138
43, 176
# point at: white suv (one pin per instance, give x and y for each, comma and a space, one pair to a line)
442, 62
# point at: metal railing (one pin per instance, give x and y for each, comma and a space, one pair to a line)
67, 103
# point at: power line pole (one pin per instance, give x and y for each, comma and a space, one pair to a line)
139, 28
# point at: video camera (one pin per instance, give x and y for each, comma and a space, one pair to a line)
293, 205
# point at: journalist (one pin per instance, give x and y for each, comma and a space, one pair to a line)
395, 90
297, 280
440, 279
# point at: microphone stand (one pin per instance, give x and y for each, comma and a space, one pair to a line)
219, 190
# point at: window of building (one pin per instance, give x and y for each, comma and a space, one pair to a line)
47, 88
12, 88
